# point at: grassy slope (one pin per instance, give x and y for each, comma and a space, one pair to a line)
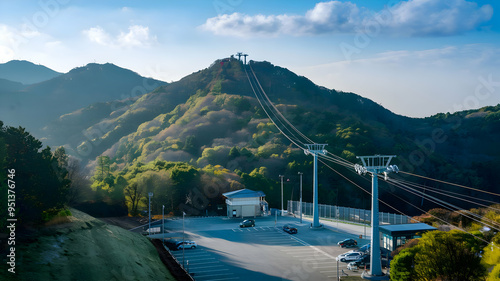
89, 249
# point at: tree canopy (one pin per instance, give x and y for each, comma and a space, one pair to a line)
453, 255
37, 176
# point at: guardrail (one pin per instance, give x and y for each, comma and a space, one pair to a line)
345, 213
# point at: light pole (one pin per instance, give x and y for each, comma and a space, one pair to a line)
281, 176
163, 222
183, 214
150, 194
300, 201
375, 165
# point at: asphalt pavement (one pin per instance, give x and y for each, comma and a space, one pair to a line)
264, 252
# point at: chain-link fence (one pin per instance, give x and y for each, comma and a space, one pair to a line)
345, 214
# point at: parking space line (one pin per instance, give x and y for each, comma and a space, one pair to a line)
224, 274
301, 248
195, 263
311, 255
210, 266
318, 267
324, 262
197, 272
200, 259
220, 279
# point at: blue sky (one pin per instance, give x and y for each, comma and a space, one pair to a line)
416, 58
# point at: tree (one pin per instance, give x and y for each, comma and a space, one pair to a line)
102, 168
41, 184
79, 189
402, 266
133, 196
453, 255
492, 257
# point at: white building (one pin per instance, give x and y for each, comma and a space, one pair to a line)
246, 203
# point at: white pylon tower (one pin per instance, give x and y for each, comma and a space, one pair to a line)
375, 165
315, 149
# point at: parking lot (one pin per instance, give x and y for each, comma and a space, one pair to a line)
227, 252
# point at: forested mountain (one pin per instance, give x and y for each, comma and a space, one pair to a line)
26, 72
212, 123
34, 106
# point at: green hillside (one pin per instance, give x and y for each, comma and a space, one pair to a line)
212, 122
86, 248
34, 106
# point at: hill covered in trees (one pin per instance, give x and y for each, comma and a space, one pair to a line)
211, 122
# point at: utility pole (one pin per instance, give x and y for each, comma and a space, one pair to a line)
314, 150
375, 165
163, 223
300, 201
183, 239
150, 194
281, 176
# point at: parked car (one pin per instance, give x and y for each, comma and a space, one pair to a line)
178, 245
364, 262
186, 245
365, 249
349, 256
347, 243
247, 223
289, 229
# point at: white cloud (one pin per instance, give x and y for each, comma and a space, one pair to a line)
408, 18
13, 39
137, 36
98, 35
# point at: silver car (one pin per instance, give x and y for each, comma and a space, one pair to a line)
349, 256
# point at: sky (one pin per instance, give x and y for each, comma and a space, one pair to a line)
416, 58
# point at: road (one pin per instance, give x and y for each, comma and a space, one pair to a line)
263, 252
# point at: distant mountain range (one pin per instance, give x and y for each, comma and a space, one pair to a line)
212, 117
34, 106
26, 72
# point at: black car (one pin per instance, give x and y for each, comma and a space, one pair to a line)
364, 261
347, 243
289, 229
247, 223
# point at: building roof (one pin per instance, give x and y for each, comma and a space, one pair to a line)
244, 193
403, 229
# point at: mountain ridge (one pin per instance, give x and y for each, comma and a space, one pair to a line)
26, 72
35, 105
212, 120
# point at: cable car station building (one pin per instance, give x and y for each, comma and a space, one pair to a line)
396, 235
245, 203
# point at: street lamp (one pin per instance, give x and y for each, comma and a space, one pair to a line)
183, 239
281, 176
300, 201
150, 194
163, 222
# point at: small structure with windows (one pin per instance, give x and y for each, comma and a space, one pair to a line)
246, 203
396, 235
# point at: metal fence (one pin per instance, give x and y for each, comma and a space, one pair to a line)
345, 214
